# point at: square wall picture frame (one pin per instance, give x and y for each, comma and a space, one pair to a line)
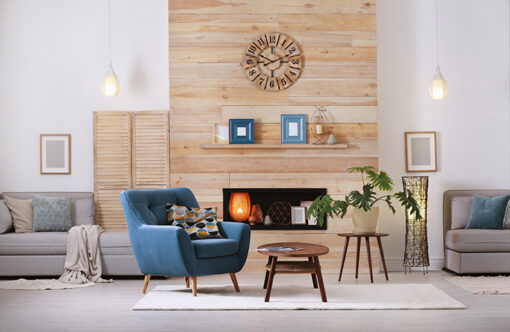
220, 133
293, 128
241, 131
55, 153
421, 152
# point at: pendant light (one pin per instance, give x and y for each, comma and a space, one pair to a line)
438, 88
110, 82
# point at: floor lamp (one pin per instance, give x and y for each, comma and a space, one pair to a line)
417, 249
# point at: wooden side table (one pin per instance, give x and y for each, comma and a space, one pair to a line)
367, 237
311, 266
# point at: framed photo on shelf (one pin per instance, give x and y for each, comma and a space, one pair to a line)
298, 215
293, 128
220, 133
242, 131
421, 155
312, 221
55, 154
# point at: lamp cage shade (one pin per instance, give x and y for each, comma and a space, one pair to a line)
239, 206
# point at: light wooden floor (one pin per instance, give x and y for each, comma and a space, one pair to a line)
107, 307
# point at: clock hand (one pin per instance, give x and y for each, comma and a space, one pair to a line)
270, 62
265, 57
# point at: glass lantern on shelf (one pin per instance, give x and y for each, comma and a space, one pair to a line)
319, 125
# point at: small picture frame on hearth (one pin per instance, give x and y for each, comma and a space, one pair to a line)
312, 221
293, 128
220, 133
298, 215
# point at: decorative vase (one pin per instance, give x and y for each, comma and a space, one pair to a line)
268, 221
365, 221
332, 139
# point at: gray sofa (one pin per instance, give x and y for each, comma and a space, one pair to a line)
472, 250
43, 253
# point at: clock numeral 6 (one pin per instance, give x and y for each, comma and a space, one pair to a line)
271, 84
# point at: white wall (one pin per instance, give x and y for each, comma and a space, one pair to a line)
473, 123
53, 55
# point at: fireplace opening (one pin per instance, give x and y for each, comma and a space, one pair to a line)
271, 208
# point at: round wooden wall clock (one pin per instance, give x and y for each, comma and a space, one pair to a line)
273, 61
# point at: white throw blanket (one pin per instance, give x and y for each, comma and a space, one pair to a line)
83, 258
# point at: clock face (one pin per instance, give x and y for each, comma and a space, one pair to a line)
273, 61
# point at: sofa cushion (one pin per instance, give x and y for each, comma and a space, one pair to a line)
35, 243
461, 210
5, 218
487, 212
478, 240
82, 204
506, 219
115, 243
215, 247
51, 214
22, 214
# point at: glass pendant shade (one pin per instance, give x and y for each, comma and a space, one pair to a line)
110, 83
438, 88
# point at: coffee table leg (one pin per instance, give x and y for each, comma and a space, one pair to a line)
267, 272
367, 241
357, 255
314, 277
318, 273
343, 258
271, 277
382, 257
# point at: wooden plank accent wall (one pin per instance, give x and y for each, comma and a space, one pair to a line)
206, 44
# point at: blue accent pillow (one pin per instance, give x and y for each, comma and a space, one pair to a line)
51, 214
487, 212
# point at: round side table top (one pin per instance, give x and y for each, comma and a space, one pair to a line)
309, 249
363, 234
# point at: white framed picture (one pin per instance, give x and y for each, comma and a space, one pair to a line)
55, 154
312, 221
220, 132
421, 155
298, 215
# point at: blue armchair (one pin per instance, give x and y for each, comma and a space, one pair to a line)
166, 250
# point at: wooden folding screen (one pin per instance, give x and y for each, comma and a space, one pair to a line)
131, 150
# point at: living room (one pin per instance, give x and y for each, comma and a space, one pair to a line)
266, 112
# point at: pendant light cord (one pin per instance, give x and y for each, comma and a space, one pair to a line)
109, 33
437, 34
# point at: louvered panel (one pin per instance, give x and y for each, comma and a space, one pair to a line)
151, 156
112, 166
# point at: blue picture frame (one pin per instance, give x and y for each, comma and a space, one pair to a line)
241, 131
293, 128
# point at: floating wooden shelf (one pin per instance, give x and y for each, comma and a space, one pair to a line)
273, 146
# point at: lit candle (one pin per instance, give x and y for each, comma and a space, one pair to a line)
319, 129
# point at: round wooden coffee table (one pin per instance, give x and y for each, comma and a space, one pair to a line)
312, 266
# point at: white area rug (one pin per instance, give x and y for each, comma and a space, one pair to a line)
293, 297
498, 285
40, 284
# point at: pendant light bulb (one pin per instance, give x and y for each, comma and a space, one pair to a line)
110, 83
438, 88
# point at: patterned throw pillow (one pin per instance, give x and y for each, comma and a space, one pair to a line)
51, 214
199, 223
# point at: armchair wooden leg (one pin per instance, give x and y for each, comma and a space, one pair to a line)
186, 280
234, 281
146, 282
194, 281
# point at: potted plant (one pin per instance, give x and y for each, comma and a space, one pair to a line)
364, 213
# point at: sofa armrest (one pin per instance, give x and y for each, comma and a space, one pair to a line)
164, 250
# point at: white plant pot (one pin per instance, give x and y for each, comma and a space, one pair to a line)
365, 221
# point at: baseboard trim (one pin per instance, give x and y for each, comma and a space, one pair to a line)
396, 265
